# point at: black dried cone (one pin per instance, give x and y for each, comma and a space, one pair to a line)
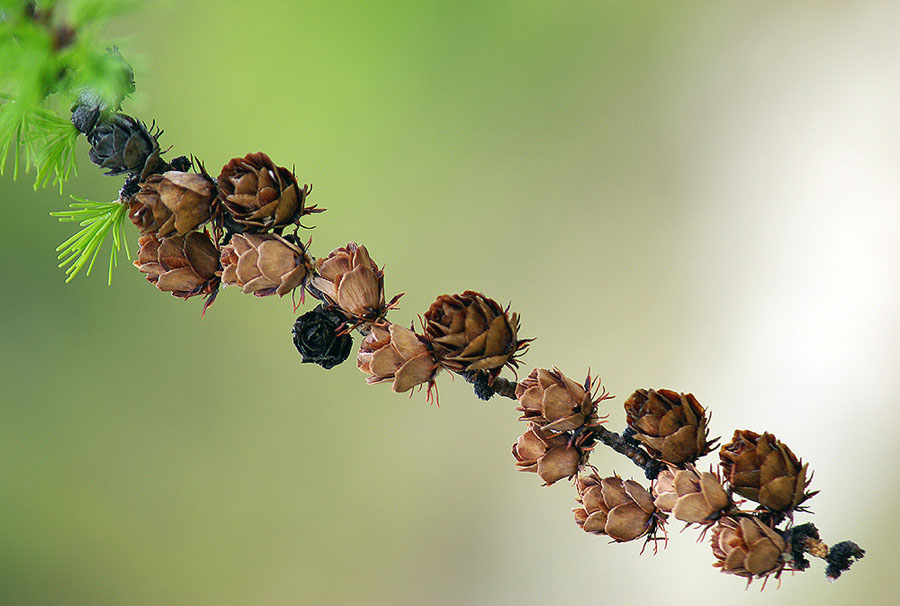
316, 337
123, 145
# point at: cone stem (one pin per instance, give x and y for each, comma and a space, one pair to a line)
815, 548
618, 443
504, 387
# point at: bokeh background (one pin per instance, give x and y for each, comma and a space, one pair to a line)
700, 196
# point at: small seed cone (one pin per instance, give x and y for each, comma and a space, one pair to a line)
123, 145
262, 196
264, 264
319, 337
348, 279
173, 202
763, 469
691, 496
472, 332
552, 457
672, 426
748, 548
622, 510
185, 266
393, 353
551, 400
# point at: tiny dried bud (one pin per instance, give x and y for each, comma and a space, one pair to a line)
763, 469
840, 557
348, 278
691, 496
173, 202
472, 332
747, 547
264, 264
185, 266
672, 426
552, 457
318, 337
397, 354
85, 115
622, 510
555, 402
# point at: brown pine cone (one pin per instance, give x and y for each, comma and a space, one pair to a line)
691, 496
173, 202
185, 266
762, 469
672, 426
472, 332
349, 280
552, 457
622, 510
551, 400
748, 548
264, 264
393, 353
262, 196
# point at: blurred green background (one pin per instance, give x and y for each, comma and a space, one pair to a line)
699, 196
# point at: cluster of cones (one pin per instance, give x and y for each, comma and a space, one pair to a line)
473, 336
199, 233
470, 334
672, 428
462, 333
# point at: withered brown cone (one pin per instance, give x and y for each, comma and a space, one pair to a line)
763, 469
122, 144
472, 332
552, 456
262, 196
747, 547
551, 400
185, 266
622, 510
348, 279
691, 496
173, 202
264, 264
397, 354
672, 426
